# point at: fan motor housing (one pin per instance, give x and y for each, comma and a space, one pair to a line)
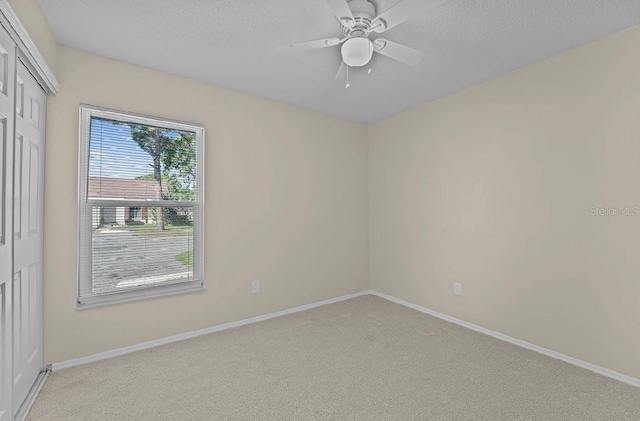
363, 13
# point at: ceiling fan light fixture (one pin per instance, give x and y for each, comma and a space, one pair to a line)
357, 52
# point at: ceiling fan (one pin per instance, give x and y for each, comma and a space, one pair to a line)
359, 21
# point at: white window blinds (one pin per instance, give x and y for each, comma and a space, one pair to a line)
140, 206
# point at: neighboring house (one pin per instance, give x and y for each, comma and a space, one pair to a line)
122, 189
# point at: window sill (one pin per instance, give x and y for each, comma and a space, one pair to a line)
140, 294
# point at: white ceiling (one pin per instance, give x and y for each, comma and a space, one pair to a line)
232, 43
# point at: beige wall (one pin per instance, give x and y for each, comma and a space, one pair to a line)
286, 203
492, 187
32, 17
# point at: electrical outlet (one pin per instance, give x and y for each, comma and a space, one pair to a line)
255, 287
457, 288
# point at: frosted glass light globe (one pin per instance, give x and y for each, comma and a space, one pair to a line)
357, 52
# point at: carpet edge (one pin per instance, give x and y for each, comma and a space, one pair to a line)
522, 344
193, 334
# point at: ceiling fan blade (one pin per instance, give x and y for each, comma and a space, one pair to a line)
402, 12
398, 52
342, 71
308, 45
341, 9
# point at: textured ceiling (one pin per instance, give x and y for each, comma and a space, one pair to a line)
232, 43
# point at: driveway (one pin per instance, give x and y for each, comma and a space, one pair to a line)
123, 258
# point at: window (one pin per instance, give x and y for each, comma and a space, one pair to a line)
135, 213
140, 207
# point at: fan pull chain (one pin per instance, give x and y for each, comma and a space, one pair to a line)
348, 84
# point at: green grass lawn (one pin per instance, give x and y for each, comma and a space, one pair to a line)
152, 229
186, 258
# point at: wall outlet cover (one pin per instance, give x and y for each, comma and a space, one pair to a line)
255, 287
457, 288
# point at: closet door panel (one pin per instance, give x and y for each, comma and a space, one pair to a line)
7, 78
27, 239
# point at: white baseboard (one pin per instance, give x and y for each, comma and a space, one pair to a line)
182, 336
188, 335
553, 354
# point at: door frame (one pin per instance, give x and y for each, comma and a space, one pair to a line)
27, 49
28, 54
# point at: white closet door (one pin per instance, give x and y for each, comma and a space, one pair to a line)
28, 192
7, 77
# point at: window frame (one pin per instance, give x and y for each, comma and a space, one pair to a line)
138, 213
85, 220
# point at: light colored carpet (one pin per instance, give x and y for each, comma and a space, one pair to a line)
362, 359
